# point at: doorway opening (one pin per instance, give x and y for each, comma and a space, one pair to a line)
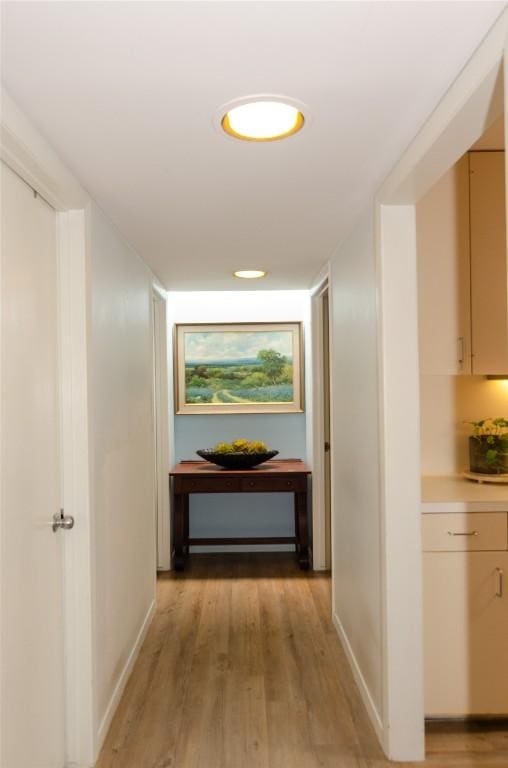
160, 431
462, 292
327, 426
472, 105
321, 432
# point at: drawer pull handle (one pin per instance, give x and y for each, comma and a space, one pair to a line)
252, 483
500, 580
460, 351
465, 533
289, 483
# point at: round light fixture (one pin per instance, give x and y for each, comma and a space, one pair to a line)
249, 274
263, 120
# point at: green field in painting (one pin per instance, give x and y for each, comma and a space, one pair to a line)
267, 378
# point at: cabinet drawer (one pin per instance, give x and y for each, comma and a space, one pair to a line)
289, 484
464, 532
208, 485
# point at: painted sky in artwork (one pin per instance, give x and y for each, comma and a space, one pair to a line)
235, 345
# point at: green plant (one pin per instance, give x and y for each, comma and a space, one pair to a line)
491, 449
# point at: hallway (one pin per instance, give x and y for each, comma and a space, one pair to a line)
242, 668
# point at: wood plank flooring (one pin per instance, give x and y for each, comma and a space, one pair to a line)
242, 668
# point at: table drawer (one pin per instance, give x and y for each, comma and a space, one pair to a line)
464, 531
289, 484
208, 485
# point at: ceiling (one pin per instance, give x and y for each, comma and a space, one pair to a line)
126, 92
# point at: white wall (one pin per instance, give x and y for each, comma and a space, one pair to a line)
232, 514
473, 101
376, 525
446, 402
356, 496
107, 439
122, 456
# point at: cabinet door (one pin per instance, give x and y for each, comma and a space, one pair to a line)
489, 268
466, 633
442, 232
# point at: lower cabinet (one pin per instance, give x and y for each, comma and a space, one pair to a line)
466, 632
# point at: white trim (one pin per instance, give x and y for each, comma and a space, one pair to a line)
399, 449
79, 677
32, 158
160, 291
161, 416
471, 104
316, 426
318, 454
321, 278
367, 699
333, 499
124, 677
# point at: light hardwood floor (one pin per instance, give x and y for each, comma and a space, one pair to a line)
242, 668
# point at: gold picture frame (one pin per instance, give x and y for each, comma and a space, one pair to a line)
239, 368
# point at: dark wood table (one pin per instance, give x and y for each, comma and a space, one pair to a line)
284, 476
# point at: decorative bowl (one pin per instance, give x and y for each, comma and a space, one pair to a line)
236, 460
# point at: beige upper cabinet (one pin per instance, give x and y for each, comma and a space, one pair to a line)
442, 232
489, 266
463, 269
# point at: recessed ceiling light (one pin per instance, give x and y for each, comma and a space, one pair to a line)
263, 121
249, 274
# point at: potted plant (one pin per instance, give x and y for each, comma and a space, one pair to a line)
488, 446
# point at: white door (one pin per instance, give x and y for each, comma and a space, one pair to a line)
32, 682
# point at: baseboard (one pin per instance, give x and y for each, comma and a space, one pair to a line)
360, 680
122, 680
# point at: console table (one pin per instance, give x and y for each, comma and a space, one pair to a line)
284, 476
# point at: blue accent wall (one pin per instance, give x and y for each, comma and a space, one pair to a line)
245, 514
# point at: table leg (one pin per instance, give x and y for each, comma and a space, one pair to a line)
301, 530
186, 523
179, 531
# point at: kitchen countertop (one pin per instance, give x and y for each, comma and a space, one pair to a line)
453, 493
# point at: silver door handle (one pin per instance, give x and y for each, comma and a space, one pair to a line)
500, 579
61, 521
465, 533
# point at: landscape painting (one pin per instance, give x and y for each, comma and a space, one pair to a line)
242, 368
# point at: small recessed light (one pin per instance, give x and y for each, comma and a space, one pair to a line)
249, 274
263, 121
